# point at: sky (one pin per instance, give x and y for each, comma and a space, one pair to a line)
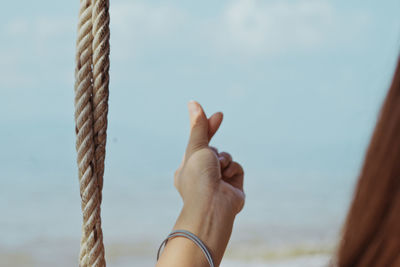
295, 79
300, 83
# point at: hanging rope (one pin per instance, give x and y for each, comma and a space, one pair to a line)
91, 108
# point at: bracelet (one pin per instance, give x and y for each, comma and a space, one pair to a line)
188, 235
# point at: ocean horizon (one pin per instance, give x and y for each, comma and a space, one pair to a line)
283, 222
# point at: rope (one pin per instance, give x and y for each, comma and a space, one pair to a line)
101, 65
91, 108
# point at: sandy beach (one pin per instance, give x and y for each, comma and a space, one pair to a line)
64, 253
24, 259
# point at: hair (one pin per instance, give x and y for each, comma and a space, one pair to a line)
371, 233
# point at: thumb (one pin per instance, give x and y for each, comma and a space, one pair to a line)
198, 128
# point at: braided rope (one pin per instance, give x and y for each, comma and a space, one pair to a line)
91, 96
101, 65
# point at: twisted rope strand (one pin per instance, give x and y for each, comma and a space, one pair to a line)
101, 65
91, 95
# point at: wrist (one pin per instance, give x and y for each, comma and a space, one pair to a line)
212, 222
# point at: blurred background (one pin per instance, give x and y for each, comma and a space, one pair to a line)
300, 83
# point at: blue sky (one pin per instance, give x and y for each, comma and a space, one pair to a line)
300, 83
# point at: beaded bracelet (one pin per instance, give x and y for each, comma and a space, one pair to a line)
192, 237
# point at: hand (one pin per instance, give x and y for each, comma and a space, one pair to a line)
204, 174
211, 186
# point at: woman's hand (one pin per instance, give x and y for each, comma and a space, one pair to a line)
204, 174
211, 186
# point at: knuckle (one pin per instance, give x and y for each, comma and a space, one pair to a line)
239, 167
243, 201
226, 155
206, 153
196, 146
176, 177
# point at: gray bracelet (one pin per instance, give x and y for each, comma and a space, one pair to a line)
192, 237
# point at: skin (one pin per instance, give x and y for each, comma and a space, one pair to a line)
211, 186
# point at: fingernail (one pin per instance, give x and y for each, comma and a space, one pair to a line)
193, 107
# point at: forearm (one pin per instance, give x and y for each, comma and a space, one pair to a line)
212, 224
211, 186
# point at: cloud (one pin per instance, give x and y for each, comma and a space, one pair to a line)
255, 26
143, 18
252, 27
16, 27
49, 40
33, 43
138, 24
138, 27
38, 28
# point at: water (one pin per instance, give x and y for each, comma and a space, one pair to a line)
294, 207
297, 192
287, 217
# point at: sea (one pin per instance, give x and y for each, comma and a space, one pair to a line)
289, 219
